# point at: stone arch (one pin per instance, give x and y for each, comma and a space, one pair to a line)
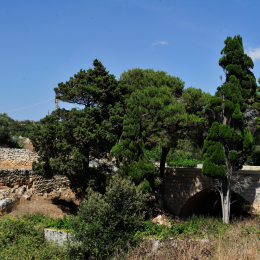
207, 201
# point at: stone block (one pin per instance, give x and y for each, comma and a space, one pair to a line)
6, 205
26, 197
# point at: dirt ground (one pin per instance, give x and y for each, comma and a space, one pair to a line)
28, 147
54, 208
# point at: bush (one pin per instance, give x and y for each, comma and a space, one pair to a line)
47, 222
15, 142
107, 221
194, 227
19, 239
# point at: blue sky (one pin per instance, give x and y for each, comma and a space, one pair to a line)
46, 42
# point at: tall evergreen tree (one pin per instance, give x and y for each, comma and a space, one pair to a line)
195, 101
154, 116
229, 141
66, 141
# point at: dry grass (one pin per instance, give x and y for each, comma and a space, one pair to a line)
236, 243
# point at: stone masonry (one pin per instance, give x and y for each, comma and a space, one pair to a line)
39, 185
17, 157
185, 187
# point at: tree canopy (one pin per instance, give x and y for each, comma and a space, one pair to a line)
154, 116
68, 140
228, 141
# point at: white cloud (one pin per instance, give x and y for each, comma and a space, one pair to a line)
254, 53
161, 42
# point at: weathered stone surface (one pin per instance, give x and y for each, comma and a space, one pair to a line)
161, 220
6, 205
26, 197
25, 178
182, 184
56, 236
17, 157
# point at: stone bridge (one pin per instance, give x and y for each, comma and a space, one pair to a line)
186, 190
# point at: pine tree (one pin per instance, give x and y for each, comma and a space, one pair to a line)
67, 140
229, 141
155, 116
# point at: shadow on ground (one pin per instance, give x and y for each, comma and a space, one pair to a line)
68, 207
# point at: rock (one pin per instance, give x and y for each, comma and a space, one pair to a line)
26, 197
20, 191
56, 194
161, 220
40, 194
5, 193
6, 205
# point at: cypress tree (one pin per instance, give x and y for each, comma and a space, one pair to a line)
229, 141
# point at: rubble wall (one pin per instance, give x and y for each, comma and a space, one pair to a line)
17, 157
39, 185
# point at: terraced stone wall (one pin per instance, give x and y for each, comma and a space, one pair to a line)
39, 185
17, 157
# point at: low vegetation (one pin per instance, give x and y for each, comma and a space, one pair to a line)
10, 130
195, 238
20, 239
185, 155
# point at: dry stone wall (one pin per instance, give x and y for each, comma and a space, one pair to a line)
39, 185
17, 157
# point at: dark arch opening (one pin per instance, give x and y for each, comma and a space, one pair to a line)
207, 203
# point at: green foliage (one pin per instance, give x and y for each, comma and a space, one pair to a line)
185, 155
6, 133
136, 164
67, 140
185, 163
228, 142
194, 227
195, 101
15, 142
22, 128
19, 239
4, 128
47, 222
254, 157
107, 221
154, 116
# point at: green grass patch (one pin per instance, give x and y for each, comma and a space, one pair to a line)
47, 222
195, 227
20, 239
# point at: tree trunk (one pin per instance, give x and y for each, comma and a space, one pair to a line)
85, 172
165, 152
163, 161
225, 193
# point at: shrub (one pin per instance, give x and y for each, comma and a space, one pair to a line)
47, 222
15, 142
19, 239
107, 221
